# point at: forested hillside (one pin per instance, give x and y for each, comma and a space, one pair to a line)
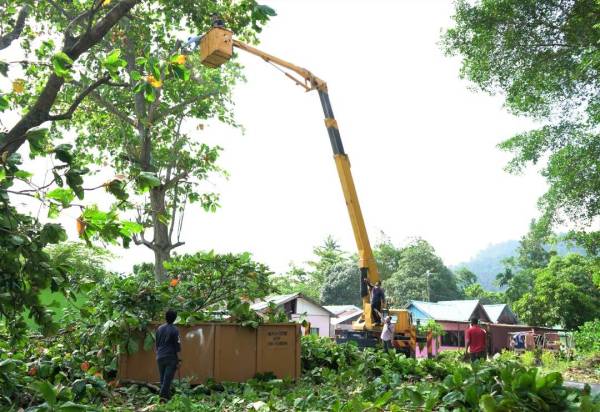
487, 263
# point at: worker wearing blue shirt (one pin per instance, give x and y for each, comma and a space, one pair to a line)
167, 348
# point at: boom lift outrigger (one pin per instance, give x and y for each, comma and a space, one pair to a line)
216, 47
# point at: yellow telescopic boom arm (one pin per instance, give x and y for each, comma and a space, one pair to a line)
216, 47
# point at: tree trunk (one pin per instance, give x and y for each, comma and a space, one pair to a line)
162, 241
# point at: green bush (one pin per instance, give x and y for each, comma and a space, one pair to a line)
587, 338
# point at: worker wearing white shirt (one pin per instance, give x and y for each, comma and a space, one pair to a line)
387, 333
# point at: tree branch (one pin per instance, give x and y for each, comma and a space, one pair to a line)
112, 108
142, 241
60, 9
7, 39
174, 180
69, 113
38, 113
174, 109
176, 245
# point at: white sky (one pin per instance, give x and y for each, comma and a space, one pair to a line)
422, 146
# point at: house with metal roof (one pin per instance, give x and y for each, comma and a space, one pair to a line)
501, 313
299, 307
453, 315
344, 316
448, 310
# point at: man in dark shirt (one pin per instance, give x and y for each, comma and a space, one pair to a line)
475, 341
377, 300
167, 347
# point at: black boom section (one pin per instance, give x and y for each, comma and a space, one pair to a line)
334, 133
364, 291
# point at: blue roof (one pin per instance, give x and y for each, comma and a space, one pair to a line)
449, 310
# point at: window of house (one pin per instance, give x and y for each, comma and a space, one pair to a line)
454, 338
314, 331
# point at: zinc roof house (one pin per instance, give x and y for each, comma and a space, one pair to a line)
454, 317
448, 310
344, 316
501, 313
298, 307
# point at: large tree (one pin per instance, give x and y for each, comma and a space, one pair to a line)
311, 281
67, 55
342, 285
138, 126
563, 293
421, 275
387, 256
543, 57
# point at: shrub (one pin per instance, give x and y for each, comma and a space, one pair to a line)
548, 359
587, 338
528, 358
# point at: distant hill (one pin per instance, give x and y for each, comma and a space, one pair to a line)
488, 262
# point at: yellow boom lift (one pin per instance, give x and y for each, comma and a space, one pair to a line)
216, 47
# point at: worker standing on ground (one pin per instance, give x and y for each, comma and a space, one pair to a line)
387, 333
475, 341
167, 348
377, 301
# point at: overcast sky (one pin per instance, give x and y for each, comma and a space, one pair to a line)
422, 145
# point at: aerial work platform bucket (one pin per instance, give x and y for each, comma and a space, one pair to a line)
216, 47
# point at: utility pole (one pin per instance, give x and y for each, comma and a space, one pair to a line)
428, 292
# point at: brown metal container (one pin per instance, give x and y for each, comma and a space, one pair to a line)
224, 352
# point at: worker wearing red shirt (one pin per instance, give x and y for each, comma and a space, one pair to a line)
475, 341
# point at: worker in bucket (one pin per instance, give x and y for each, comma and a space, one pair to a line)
377, 300
167, 348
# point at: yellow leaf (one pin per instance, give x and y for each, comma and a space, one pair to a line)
18, 86
80, 226
154, 82
106, 2
180, 59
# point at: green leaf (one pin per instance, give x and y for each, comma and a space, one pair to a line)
16, 240
37, 140
3, 68
135, 75
487, 403
266, 10
21, 174
2, 174
139, 87
62, 64
132, 346
52, 233
128, 228
70, 406
147, 180
64, 196
53, 211
57, 178
149, 93
117, 188
383, 399
78, 387
155, 70
113, 57
14, 160
63, 153
148, 342
181, 72
3, 103
47, 391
